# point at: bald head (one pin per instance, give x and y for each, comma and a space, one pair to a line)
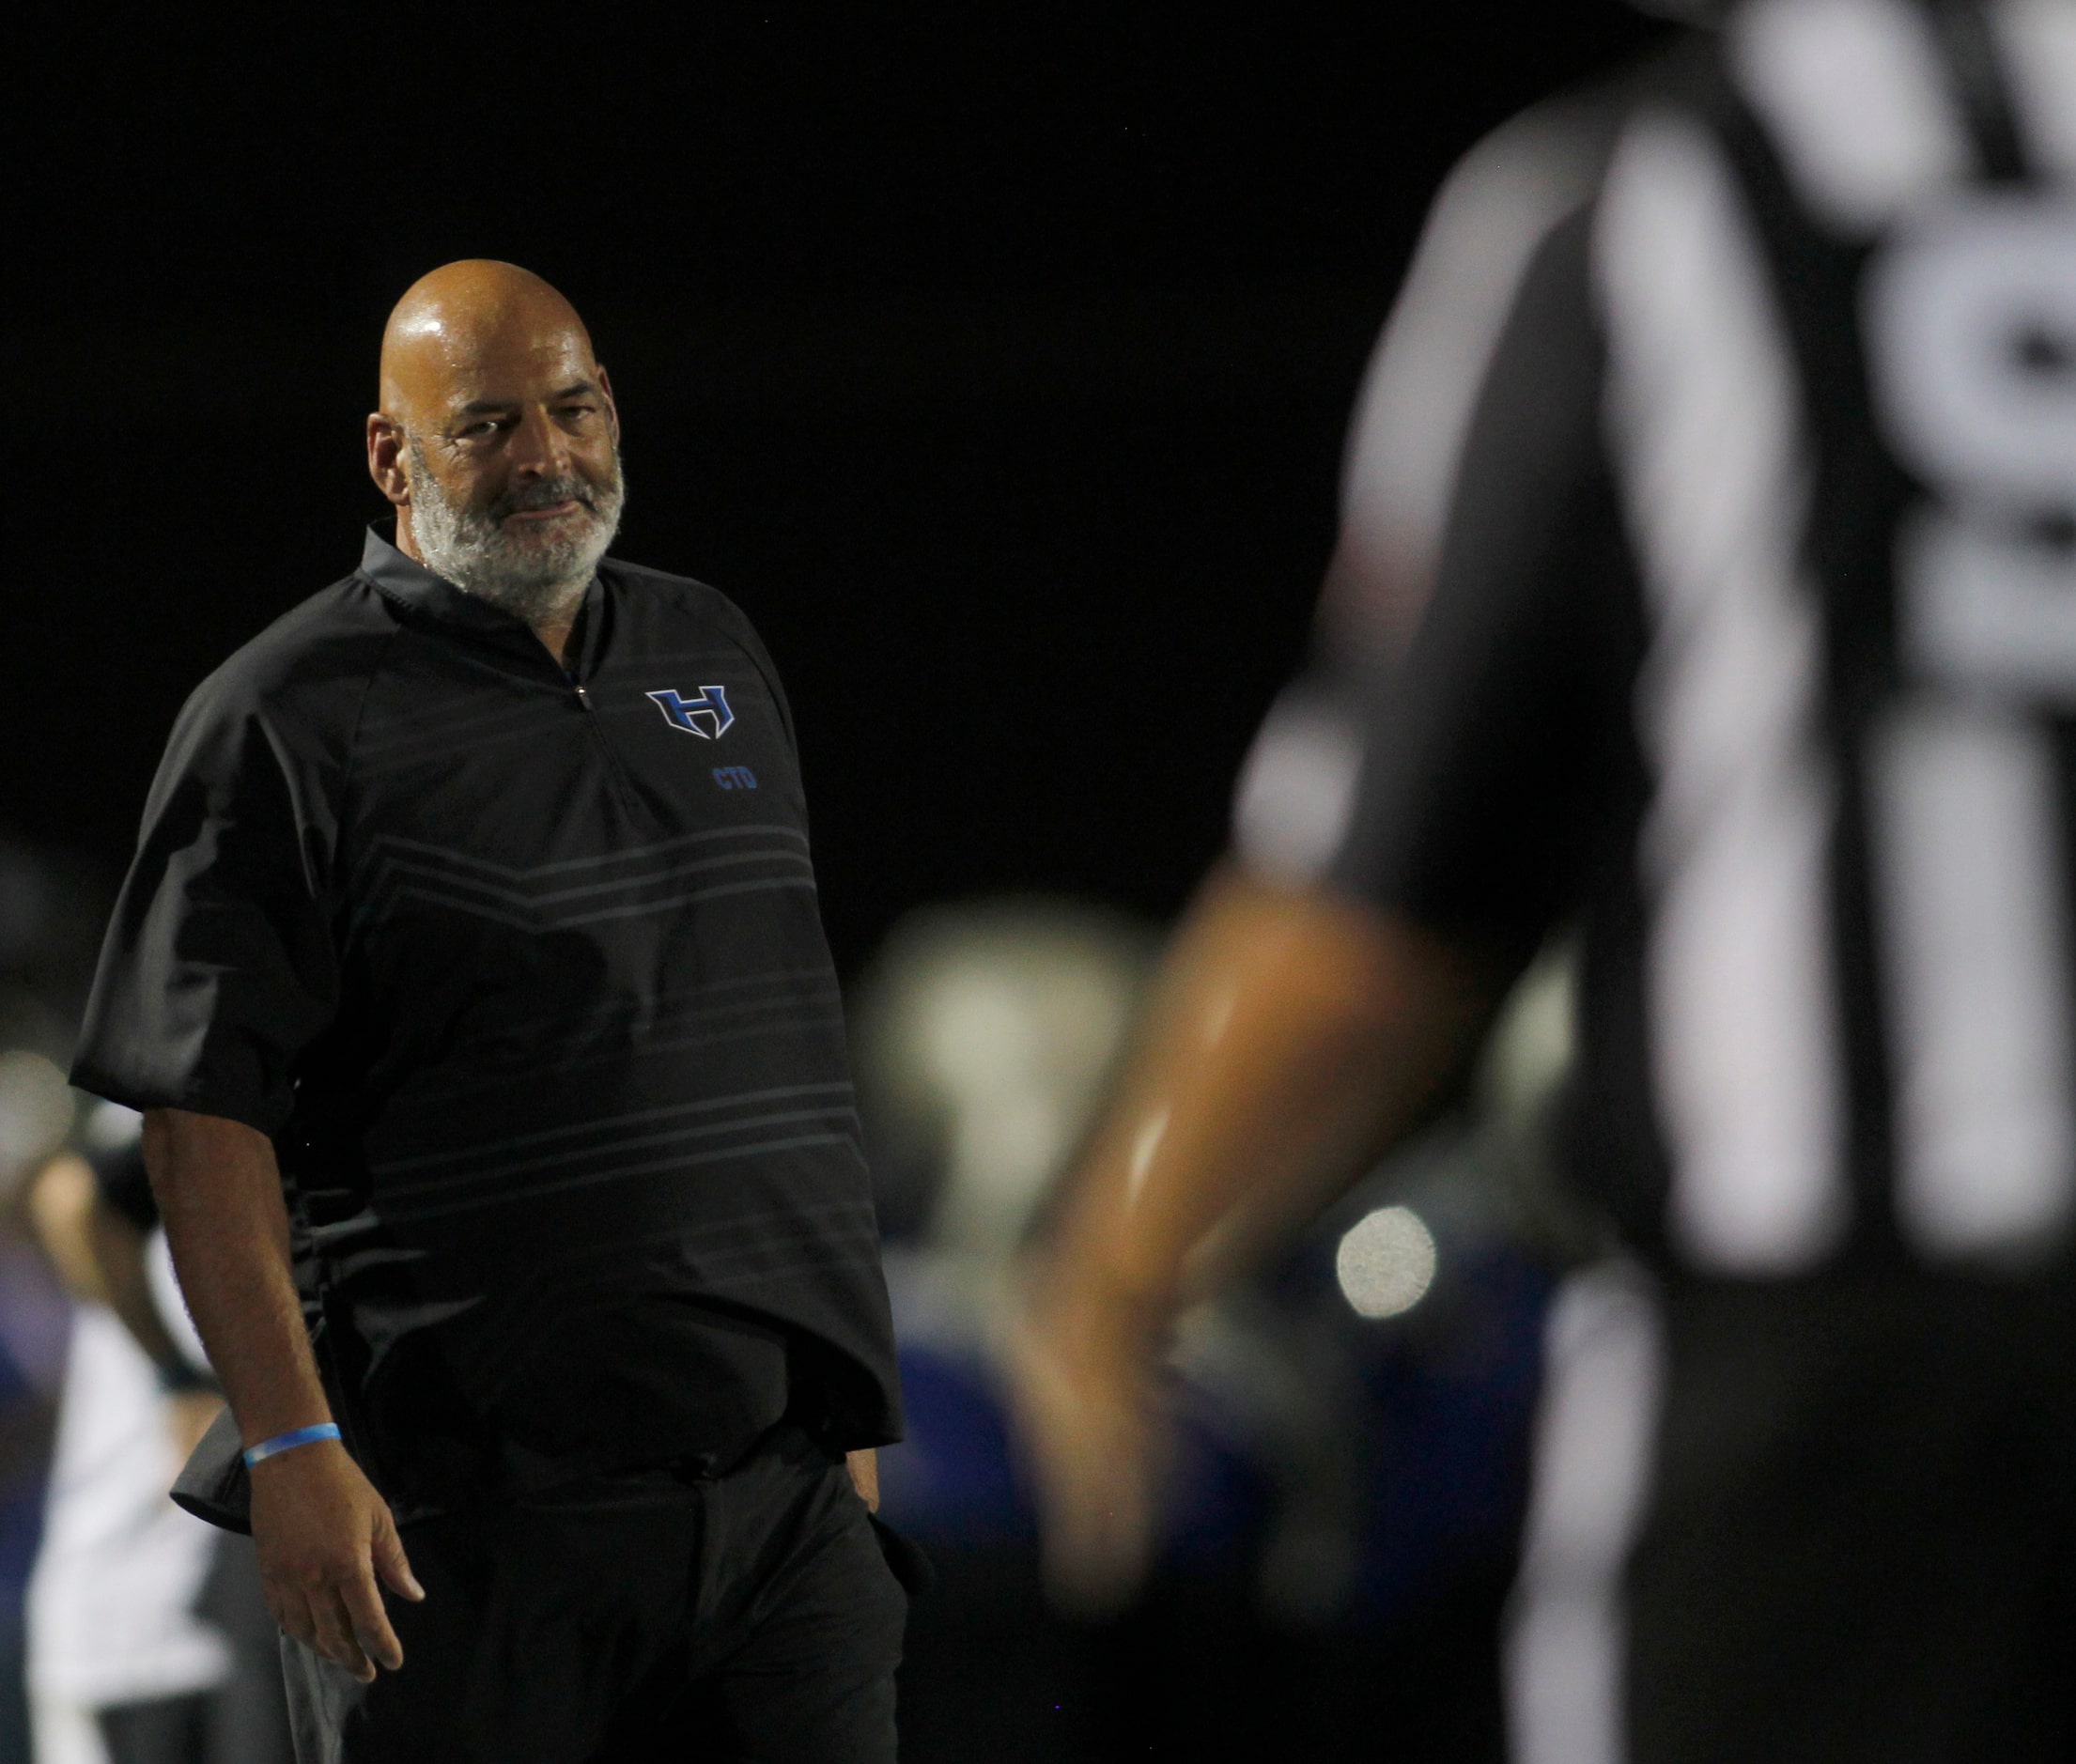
496, 438
462, 315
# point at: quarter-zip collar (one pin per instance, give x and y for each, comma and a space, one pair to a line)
412, 584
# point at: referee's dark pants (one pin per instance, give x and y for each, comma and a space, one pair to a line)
634, 1617
1821, 1522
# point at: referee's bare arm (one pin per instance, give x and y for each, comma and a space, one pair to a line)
323, 1533
1291, 1036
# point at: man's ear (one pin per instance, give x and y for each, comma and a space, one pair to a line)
385, 458
613, 407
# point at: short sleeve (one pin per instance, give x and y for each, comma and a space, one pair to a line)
219, 968
1446, 776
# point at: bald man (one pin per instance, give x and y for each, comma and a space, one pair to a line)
471, 978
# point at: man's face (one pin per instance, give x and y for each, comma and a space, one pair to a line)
511, 454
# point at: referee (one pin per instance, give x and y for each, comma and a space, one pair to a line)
471, 978
1707, 583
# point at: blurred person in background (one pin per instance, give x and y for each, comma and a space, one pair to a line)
1704, 583
1353, 1424
981, 1034
150, 1639
50, 909
1382, 1371
33, 1328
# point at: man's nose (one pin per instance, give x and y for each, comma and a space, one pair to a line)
539, 447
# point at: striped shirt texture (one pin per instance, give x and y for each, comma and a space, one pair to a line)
1707, 582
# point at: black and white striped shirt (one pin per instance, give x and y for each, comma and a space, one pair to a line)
1708, 575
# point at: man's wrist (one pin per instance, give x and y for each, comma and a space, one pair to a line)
294, 1437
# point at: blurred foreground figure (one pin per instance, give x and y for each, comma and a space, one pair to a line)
1706, 583
470, 977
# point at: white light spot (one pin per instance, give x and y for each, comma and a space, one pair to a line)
1385, 1263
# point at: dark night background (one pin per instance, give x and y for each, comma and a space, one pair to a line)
994, 360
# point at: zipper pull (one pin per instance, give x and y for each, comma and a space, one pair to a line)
583, 697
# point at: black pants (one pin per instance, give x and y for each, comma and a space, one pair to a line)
1829, 1522
630, 1617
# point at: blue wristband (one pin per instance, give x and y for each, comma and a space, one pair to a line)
288, 1442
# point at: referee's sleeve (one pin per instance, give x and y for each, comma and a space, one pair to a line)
219, 968
1436, 756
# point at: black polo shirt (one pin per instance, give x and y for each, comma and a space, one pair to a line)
523, 972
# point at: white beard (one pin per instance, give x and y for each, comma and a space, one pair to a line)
540, 580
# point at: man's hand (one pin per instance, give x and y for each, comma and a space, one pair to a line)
327, 1540
325, 1535
1083, 1378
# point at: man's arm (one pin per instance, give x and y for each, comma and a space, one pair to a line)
323, 1533
1290, 1038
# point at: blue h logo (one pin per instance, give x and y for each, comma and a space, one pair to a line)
706, 716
